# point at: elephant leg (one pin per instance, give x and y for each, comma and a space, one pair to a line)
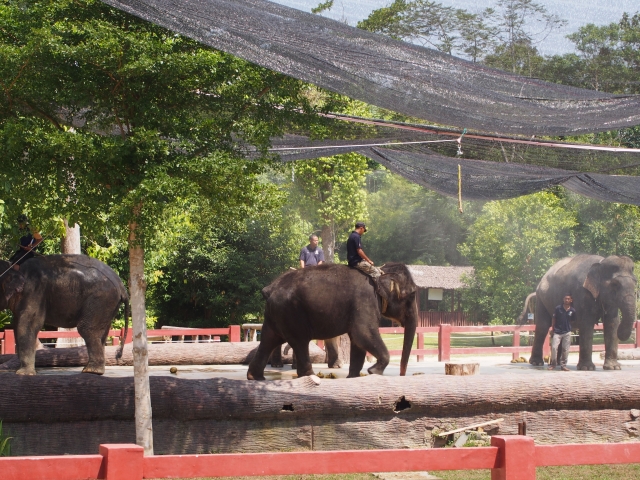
95, 348
275, 360
331, 346
543, 322
611, 344
303, 360
356, 360
269, 340
585, 361
369, 339
27, 328
294, 361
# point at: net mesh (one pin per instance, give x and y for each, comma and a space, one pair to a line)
399, 76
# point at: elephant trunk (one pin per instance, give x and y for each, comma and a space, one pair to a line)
628, 310
410, 323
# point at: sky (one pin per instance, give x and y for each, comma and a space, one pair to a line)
576, 12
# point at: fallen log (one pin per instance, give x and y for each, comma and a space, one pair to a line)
461, 368
630, 354
215, 353
57, 414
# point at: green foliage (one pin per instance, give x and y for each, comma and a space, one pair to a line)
5, 447
511, 245
6, 317
322, 6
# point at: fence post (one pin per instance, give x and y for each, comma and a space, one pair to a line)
516, 343
516, 458
444, 343
637, 333
122, 461
9, 342
420, 345
129, 338
234, 333
320, 344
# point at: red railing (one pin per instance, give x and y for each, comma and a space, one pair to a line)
510, 457
443, 350
8, 344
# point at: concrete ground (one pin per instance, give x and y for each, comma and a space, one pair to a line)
489, 365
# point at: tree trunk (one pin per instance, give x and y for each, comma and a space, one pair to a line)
137, 290
328, 242
70, 243
215, 353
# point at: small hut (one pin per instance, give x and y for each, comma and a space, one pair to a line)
439, 294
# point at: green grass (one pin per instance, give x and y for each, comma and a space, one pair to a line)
580, 472
5, 447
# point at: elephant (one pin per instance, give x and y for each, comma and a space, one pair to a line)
330, 300
63, 291
599, 287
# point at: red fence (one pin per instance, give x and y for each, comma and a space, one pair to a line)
8, 343
444, 349
511, 457
434, 319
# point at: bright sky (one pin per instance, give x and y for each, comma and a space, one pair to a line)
575, 12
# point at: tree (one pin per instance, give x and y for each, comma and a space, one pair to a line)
511, 246
329, 194
105, 117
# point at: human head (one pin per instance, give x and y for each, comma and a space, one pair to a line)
567, 299
360, 225
23, 221
313, 240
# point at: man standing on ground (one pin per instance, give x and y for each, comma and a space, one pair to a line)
561, 328
356, 256
311, 254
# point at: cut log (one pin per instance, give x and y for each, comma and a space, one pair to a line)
461, 368
631, 354
216, 353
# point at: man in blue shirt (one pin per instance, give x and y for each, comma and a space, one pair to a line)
561, 328
311, 254
355, 254
28, 243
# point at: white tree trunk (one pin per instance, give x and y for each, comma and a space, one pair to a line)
70, 243
328, 242
137, 290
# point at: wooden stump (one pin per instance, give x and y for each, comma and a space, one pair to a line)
461, 368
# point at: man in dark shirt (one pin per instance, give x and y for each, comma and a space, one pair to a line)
355, 254
28, 243
311, 254
561, 327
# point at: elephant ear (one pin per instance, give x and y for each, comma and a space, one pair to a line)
12, 284
593, 280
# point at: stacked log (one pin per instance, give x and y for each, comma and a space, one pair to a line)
215, 353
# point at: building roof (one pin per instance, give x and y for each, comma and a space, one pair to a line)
428, 276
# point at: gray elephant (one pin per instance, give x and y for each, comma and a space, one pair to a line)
329, 300
63, 291
600, 287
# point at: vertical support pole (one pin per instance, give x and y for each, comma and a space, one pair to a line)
637, 333
1, 347
516, 459
420, 345
234, 333
516, 343
116, 340
9, 342
320, 344
444, 343
122, 462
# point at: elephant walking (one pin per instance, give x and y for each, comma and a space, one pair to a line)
600, 288
329, 300
63, 291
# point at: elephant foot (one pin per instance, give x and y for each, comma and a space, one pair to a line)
536, 361
93, 370
586, 366
277, 364
611, 364
251, 376
375, 370
336, 364
26, 371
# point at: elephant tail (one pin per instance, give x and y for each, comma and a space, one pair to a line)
522, 317
127, 314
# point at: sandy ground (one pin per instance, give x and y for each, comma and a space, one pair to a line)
489, 365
